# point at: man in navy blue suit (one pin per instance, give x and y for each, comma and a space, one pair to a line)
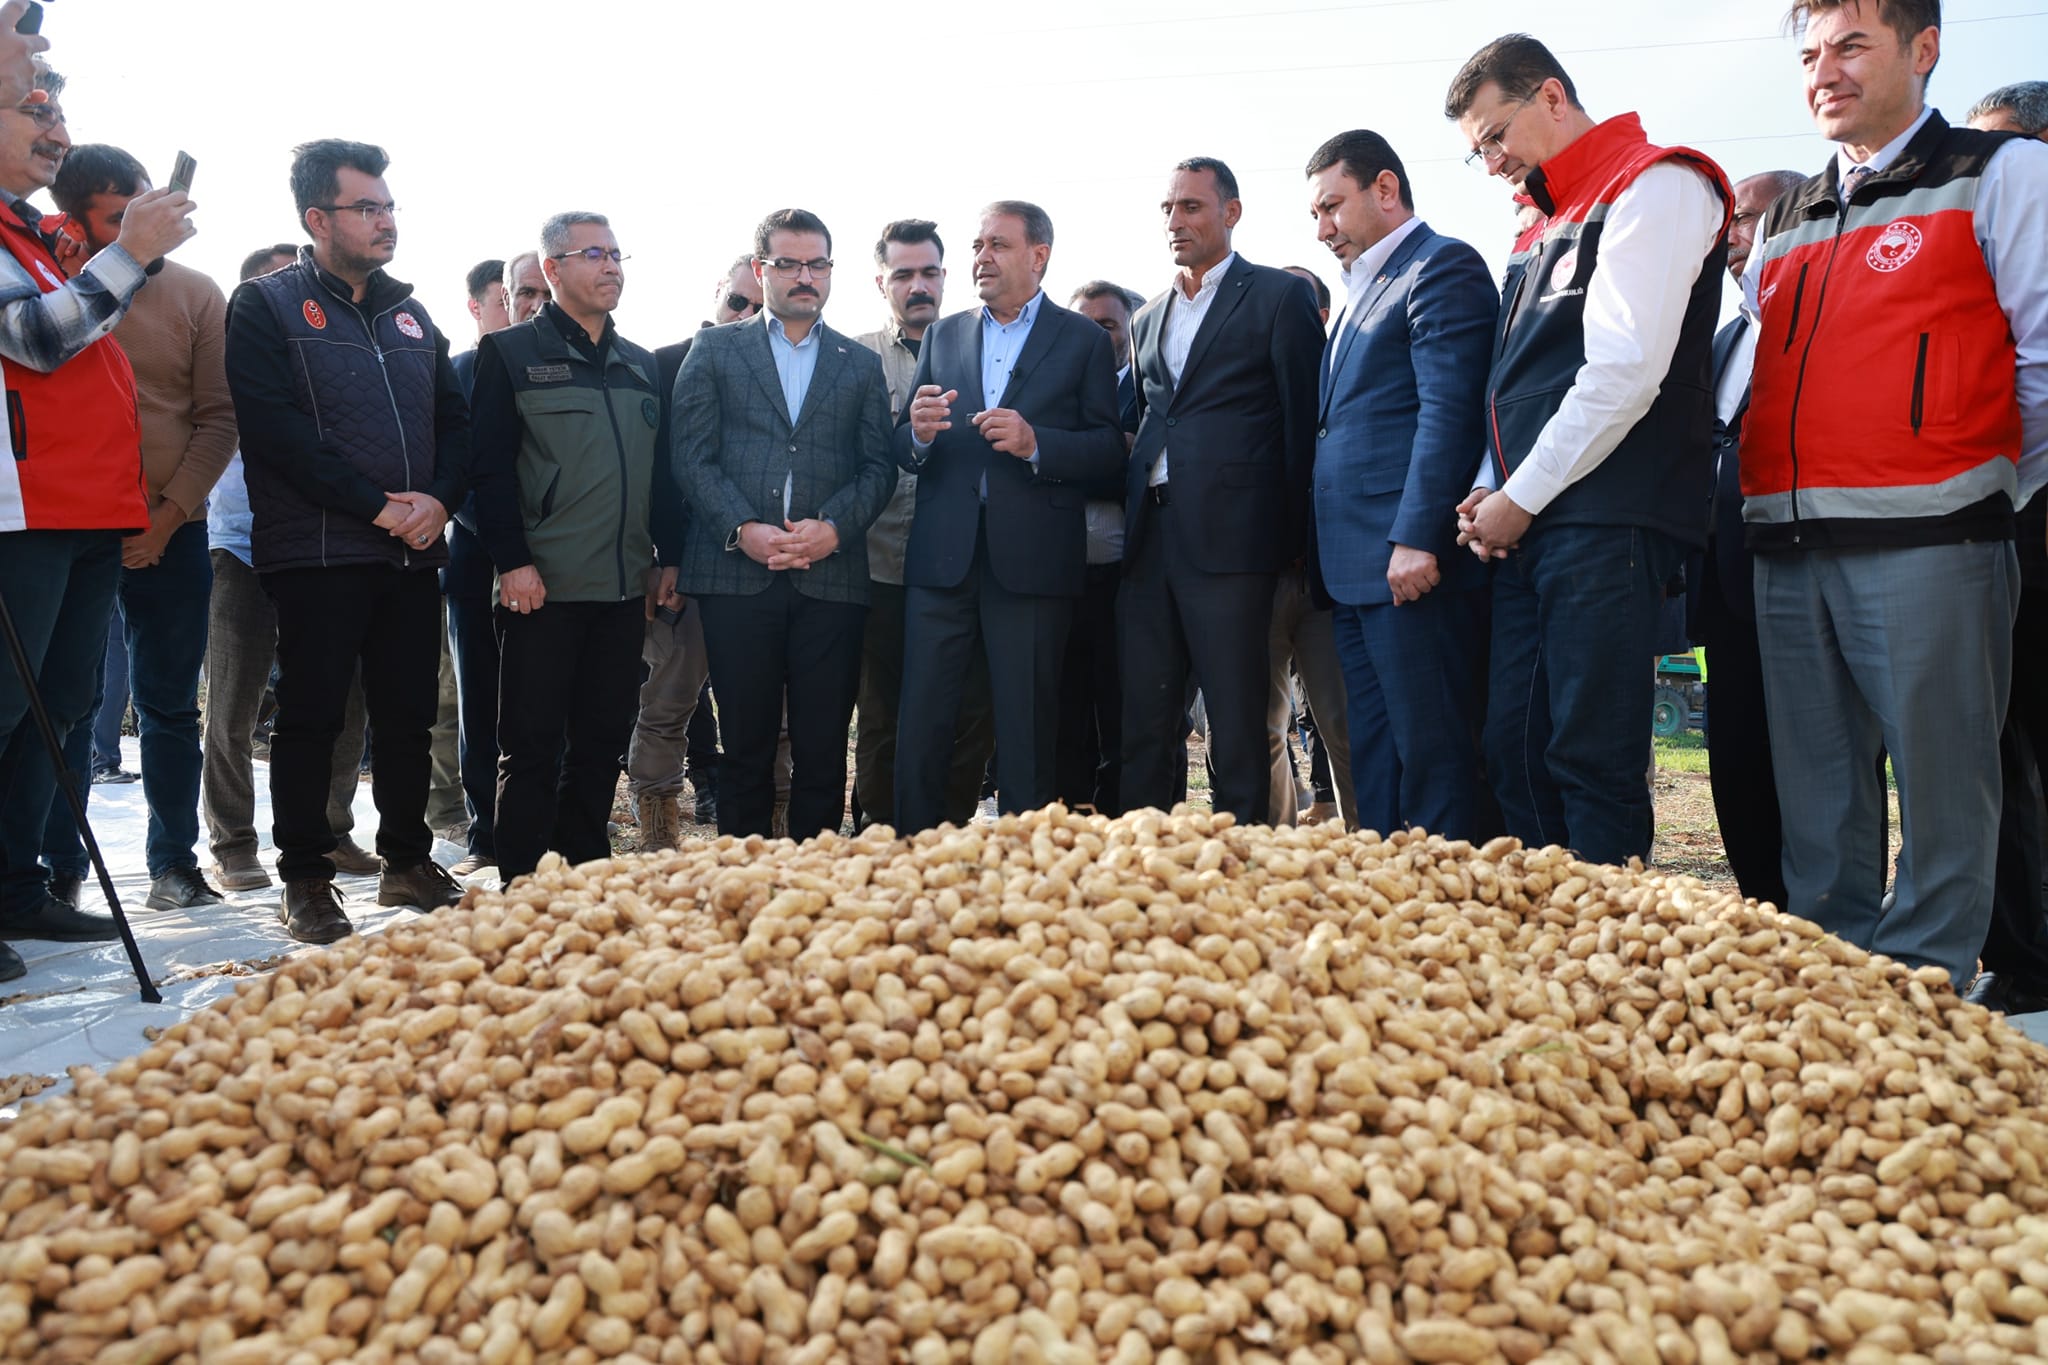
1399, 439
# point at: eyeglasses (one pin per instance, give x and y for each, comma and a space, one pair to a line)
46, 116
740, 303
789, 268
594, 254
368, 209
1480, 155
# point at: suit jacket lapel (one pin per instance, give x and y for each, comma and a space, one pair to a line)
1230, 292
831, 358
1356, 315
1035, 347
762, 361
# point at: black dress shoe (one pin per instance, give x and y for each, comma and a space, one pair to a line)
64, 887
11, 965
2006, 995
56, 922
181, 888
425, 885
311, 911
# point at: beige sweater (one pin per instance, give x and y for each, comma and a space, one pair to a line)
175, 335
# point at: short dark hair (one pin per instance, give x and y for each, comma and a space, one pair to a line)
2026, 101
95, 168
1363, 154
258, 262
1313, 281
908, 231
789, 220
1226, 183
1517, 63
1037, 222
481, 276
317, 167
49, 82
1102, 289
1906, 18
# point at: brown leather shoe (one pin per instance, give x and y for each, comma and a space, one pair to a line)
352, 858
425, 885
311, 911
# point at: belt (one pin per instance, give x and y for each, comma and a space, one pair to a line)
1160, 493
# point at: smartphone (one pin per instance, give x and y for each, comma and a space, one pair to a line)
181, 173
31, 20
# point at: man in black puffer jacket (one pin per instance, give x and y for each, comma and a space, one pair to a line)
355, 437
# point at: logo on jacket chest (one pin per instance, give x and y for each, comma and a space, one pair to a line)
1896, 245
410, 325
1562, 272
315, 319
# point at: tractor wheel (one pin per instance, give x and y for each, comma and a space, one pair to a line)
1668, 713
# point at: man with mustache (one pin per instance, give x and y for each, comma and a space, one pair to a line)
781, 446
1599, 421
355, 439
73, 489
1216, 498
564, 422
1898, 415
912, 280
1012, 418
526, 286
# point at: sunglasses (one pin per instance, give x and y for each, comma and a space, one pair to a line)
740, 303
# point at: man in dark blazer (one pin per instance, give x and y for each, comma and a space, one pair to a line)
1402, 404
1216, 495
1013, 411
781, 446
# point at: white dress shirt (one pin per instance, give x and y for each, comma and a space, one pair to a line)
1363, 273
1183, 319
1652, 249
2011, 227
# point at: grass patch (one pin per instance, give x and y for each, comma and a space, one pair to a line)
1682, 753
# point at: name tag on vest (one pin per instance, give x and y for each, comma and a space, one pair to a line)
547, 374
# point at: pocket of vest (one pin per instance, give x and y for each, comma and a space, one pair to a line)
1798, 297
17, 424
547, 499
1919, 384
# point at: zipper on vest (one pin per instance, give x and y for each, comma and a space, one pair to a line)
1798, 297
1919, 383
1500, 346
397, 418
1820, 304
618, 446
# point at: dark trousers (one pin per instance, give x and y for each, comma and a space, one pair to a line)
881, 691
1023, 636
1739, 768
1174, 621
162, 611
59, 589
568, 685
2017, 945
1569, 696
473, 639
387, 621
1413, 679
768, 649
112, 707
1089, 768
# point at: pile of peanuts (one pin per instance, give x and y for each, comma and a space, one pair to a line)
1059, 1089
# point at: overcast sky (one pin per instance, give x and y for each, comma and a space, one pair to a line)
687, 123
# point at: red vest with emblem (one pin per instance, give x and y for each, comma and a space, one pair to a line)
1882, 408
77, 443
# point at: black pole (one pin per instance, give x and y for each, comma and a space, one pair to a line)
67, 782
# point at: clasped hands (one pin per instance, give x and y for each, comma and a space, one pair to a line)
415, 518
1490, 524
1003, 428
793, 545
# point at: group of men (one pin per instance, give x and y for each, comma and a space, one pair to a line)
1020, 538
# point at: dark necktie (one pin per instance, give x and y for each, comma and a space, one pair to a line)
1854, 180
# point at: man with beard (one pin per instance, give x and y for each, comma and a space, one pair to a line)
781, 446
356, 438
912, 279
74, 488
564, 420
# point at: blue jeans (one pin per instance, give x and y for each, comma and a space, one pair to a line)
163, 611
1570, 686
110, 706
59, 587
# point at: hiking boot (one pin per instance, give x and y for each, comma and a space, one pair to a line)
424, 885
661, 819
352, 858
56, 922
311, 911
240, 872
65, 886
181, 888
471, 864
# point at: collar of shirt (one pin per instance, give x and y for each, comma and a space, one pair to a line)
573, 333
1211, 278
1001, 344
1367, 267
1885, 155
795, 363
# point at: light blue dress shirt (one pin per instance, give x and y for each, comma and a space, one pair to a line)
795, 363
228, 518
1001, 344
